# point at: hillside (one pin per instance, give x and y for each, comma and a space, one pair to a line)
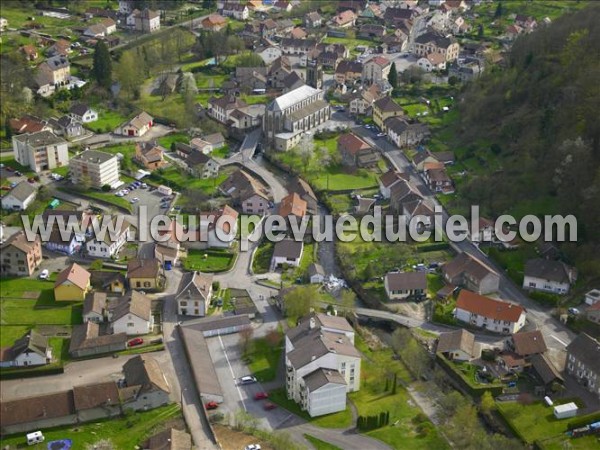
529, 135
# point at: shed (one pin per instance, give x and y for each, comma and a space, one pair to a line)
565, 411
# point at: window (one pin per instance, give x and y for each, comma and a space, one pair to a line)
138, 284
130, 324
183, 303
146, 284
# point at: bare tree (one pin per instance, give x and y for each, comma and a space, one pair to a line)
245, 338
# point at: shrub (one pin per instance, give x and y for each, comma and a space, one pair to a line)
106, 188
545, 298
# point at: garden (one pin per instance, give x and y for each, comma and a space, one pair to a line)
209, 260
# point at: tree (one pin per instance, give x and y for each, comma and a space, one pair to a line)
273, 337
245, 338
393, 76
102, 65
306, 149
449, 404
347, 299
498, 12
298, 301
487, 404
480, 31
130, 73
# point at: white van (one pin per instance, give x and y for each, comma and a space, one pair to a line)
35, 438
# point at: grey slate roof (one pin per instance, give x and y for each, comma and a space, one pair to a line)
322, 377
587, 350
22, 191
40, 139
457, 340
548, 270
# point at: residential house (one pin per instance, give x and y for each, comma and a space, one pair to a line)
110, 25
53, 74
126, 6
83, 113
376, 69
348, 72
356, 152
108, 246
269, 53
236, 10
28, 124
372, 11
583, 362
113, 282
33, 413
68, 242
303, 189
316, 273
292, 81
520, 349
528, 23
491, 314
30, 52
72, 284
513, 32
201, 165
147, 21
170, 439
20, 257
138, 126
322, 364
97, 30
292, 205
97, 401
20, 197
362, 103
61, 47
298, 33
130, 19
548, 276
221, 108
404, 133
40, 151
282, 6
279, 70
194, 294
431, 62
94, 307
437, 178
371, 31
422, 158
144, 274
148, 382
219, 228
247, 192
214, 22
66, 126
291, 46
248, 117
472, 273
458, 345
393, 16
384, 109
420, 211
389, 179
30, 350
150, 155
433, 42
313, 20
94, 169
405, 285
401, 195
592, 297
287, 252
87, 340
345, 19
131, 314
593, 313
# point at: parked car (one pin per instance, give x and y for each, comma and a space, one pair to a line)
211, 405
260, 396
31, 180
269, 406
144, 186
573, 311
252, 447
247, 380
17, 173
134, 200
44, 274
134, 342
10, 169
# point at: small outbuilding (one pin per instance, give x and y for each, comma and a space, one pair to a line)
565, 411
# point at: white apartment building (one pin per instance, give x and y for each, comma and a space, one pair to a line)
290, 115
108, 246
96, 168
322, 364
40, 151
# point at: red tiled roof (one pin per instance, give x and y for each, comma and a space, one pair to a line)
488, 307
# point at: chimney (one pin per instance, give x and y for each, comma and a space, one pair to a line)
313, 357
312, 323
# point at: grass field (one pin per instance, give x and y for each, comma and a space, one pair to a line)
264, 358
262, 257
216, 261
173, 177
318, 444
124, 432
341, 419
107, 121
166, 141
536, 423
377, 365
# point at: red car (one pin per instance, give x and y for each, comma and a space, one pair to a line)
134, 342
260, 396
269, 406
211, 405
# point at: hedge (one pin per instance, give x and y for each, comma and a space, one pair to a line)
11, 374
475, 392
433, 247
584, 420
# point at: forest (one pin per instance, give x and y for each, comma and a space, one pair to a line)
538, 118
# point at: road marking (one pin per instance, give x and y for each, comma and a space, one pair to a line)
232, 374
563, 343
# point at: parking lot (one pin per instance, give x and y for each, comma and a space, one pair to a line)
226, 356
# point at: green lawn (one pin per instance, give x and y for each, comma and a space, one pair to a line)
349, 43
108, 120
180, 181
167, 141
124, 432
341, 419
377, 366
536, 422
10, 333
319, 444
215, 261
127, 150
262, 257
264, 358
337, 180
